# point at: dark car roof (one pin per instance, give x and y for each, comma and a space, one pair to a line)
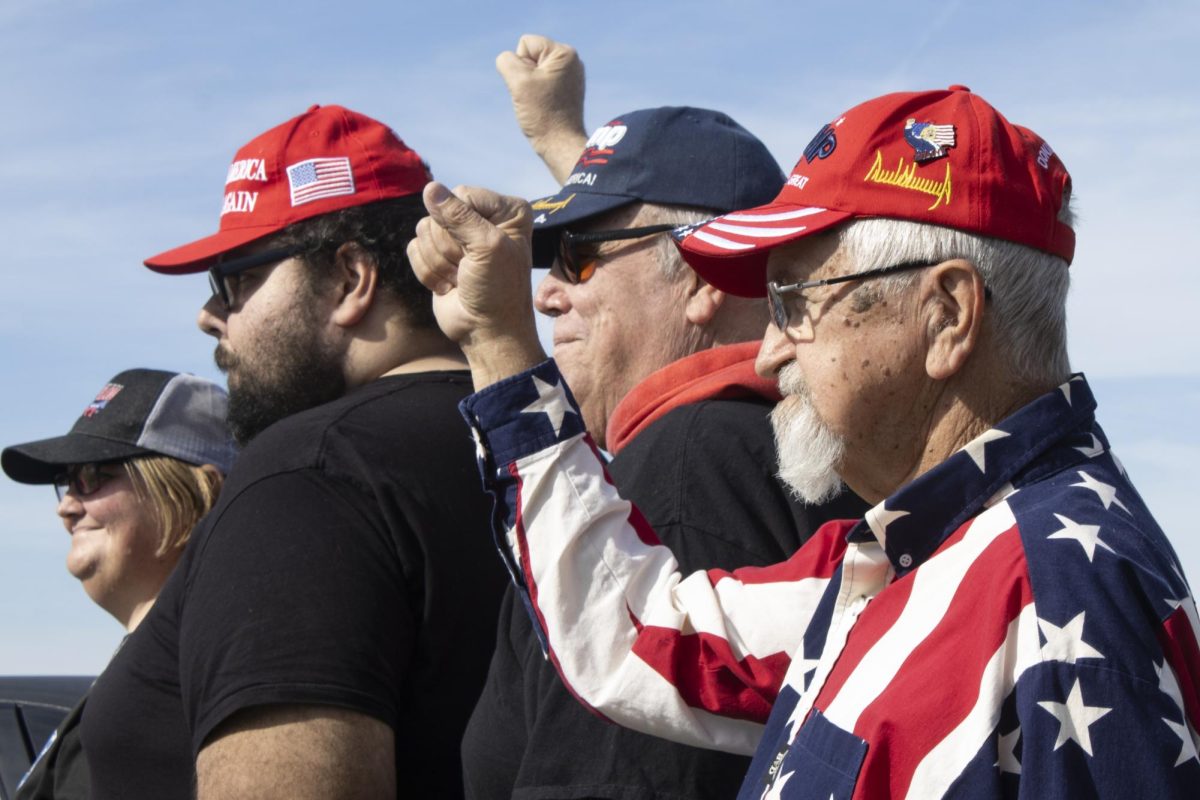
30, 709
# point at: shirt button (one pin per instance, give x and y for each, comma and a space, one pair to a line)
906, 561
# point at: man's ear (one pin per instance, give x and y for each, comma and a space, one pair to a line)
703, 300
356, 277
952, 308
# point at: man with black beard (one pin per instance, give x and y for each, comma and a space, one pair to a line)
330, 627
296, 371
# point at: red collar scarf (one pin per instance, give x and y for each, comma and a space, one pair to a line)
721, 373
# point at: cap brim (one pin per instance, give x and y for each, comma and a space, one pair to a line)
199, 255
551, 214
730, 251
42, 461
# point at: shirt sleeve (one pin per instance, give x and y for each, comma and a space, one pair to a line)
1086, 725
295, 596
699, 659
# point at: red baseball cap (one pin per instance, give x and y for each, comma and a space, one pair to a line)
943, 157
324, 160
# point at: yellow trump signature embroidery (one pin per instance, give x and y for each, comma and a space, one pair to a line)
545, 205
904, 176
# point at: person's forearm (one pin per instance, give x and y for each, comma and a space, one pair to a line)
496, 358
299, 753
545, 79
560, 152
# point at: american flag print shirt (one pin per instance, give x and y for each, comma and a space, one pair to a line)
1012, 623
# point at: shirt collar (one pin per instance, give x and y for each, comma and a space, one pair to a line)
913, 522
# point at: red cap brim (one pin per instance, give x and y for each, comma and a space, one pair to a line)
199, 255
730, 252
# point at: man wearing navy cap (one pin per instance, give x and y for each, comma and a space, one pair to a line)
328, 630
1007, 620
661, 364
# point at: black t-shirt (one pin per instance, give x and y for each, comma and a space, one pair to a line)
348, 562
60, 771
704, 477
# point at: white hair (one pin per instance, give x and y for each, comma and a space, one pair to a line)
669, 259
1028, 287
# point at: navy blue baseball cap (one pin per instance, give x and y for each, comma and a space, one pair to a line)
674, 155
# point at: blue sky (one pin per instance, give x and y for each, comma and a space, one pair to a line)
120, 118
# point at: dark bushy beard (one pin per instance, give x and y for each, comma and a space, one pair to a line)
281, 376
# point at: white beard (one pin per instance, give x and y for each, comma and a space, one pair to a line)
809, 450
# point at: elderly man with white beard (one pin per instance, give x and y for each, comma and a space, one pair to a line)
1007, 620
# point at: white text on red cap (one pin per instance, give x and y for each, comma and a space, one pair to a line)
247, 169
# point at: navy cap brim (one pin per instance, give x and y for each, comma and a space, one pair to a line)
42, 461
551, 214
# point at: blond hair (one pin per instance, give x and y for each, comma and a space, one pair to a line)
180, 493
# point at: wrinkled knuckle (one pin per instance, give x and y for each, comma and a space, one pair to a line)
456, 214
520, 210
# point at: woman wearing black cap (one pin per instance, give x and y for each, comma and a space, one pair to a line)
137, 471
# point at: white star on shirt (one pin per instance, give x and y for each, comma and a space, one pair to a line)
880, 517
552, 401
1088, 536
1066, 643
1074, 718
1007, 749
974, 448
775, 790
1066, 389
797, 716
1106, 493
480, 449
807, 665
1095, 449
1188, 751
1168, 685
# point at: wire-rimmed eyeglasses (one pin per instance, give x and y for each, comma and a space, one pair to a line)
776, 292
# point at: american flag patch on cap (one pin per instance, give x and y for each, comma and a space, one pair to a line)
320, 177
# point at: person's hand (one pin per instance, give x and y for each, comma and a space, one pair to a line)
546, 81
473, 253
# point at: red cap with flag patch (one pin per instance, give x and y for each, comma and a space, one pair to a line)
943, 157
324, 160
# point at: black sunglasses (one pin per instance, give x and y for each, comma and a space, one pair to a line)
580, 267
219, 273
83, 479
779, 306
